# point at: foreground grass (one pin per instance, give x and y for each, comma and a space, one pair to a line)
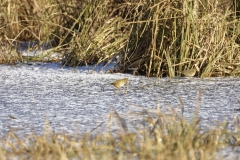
162, 137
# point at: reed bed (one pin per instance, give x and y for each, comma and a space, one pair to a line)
173, 36
154, 38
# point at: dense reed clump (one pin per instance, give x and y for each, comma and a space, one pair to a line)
26, 20
155, 38
98, 33
172, 36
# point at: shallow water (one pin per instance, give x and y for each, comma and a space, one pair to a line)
69, 98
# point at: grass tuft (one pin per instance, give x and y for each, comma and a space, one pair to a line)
157, 136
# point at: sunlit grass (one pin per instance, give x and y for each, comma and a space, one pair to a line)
157, 136
160, 38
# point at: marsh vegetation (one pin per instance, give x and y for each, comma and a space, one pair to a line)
152, 38
159, 136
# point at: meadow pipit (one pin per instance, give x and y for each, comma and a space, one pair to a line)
189, 72
119, 83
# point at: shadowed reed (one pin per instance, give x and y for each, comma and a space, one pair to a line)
153, 38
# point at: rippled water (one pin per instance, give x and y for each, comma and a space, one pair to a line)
77, 100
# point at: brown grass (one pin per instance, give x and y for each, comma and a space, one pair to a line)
157, 136
160, 38
170, 37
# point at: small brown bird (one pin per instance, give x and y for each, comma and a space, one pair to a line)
119, 83
189, 72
